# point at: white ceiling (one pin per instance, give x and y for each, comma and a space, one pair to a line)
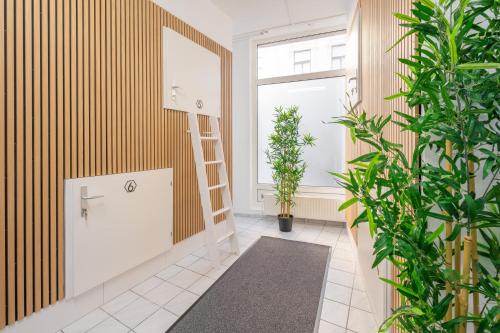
257, 15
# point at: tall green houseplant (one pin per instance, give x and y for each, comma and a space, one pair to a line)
286, 146
430, 219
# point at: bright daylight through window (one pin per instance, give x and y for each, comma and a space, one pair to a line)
307, 72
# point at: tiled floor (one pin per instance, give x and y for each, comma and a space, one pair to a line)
153, 305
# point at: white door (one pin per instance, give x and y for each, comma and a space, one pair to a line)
128, 220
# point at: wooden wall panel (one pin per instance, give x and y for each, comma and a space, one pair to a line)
81, 95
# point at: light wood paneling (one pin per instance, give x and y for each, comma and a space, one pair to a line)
81, 95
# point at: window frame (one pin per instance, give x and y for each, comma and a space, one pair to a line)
259, 190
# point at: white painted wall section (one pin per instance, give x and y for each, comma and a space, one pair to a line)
204, 16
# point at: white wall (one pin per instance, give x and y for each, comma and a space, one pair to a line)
242, 143
204, 16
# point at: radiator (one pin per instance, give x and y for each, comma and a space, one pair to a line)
309, 207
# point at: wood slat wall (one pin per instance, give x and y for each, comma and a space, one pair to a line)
81, 95
379, 30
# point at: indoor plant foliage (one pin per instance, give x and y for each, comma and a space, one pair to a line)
430, 218
284, 154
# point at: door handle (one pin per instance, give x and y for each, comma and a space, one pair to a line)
84, 198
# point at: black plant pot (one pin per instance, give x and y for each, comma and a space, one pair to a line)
285, 222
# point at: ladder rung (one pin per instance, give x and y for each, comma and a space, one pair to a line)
220, 211
212, 162
209, 138
224, 237
215, 187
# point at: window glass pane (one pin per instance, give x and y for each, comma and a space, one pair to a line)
281, 59
318, 101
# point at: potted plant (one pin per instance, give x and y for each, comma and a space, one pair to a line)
284, 154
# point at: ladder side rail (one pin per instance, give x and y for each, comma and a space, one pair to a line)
223, 178
203, 189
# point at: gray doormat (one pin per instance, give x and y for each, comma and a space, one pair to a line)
276, 286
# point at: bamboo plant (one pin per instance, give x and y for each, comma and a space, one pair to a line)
430, 219
284, 154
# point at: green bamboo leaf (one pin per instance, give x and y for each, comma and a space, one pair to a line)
429, 239
395, 96
399, 287
406, 18
347, 204
453, 48
406, 35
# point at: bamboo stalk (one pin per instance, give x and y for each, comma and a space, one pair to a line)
458, 261
464, 293
474, 255
449, 244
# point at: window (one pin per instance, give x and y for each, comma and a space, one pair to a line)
338, 57
302, 61
291, 78
311, 54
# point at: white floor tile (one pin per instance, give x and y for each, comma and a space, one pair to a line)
360, 300
87, 322
119, 302
343, 254
180, 303
358, 283
338, 293
335, 313
187, 261
200, 286
184, 279
162, 294
230, 260
144, 287
136, 312
361, 321
215, 273
343, 265
170, 271
341, 277
110, 325
159, 322
326, 327
201, 252
201, 266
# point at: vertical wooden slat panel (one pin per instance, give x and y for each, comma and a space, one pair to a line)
92, 83
53, 150
119, 70
37, 176
103, 96
19, 147
3, 240
113, 121
45, 156
59, 237
10, 162
128, 94
109, 152
80, 86
74, 86
86, 89
98, 89
67, 87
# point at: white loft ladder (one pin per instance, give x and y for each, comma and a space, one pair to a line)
208, 215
